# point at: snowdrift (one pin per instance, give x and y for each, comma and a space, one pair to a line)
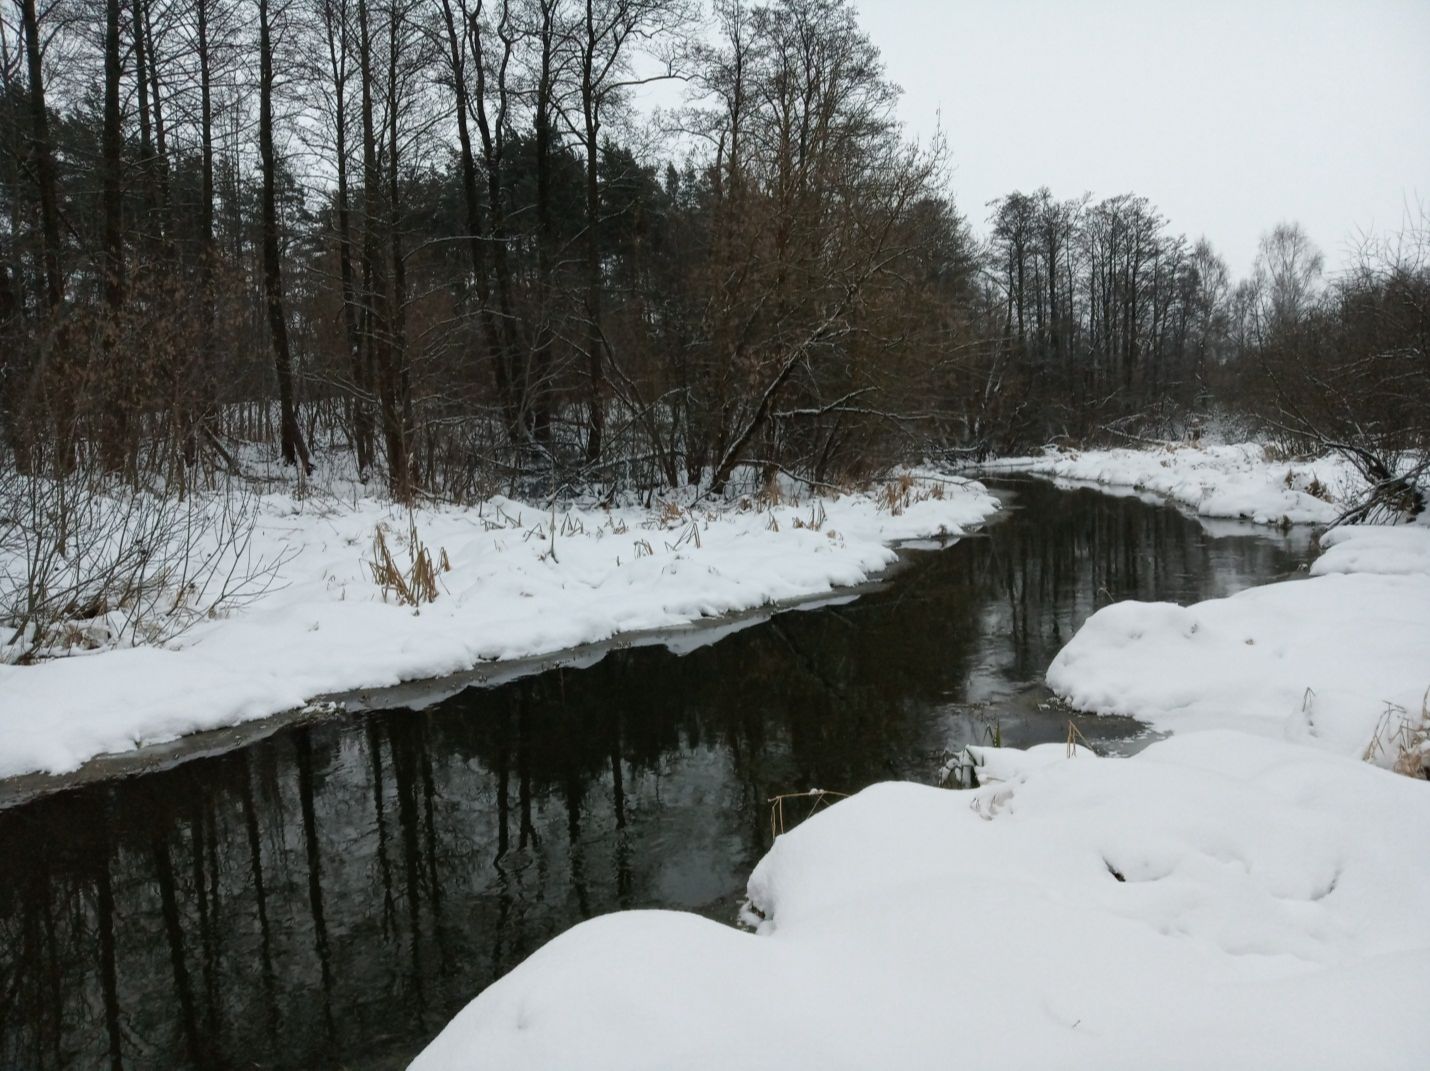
1341, 659
1218, 900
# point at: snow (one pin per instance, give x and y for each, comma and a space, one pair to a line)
522, 582
1402, 550
996, 764
1238, 481
1247, 892
1255, 924
1341, 659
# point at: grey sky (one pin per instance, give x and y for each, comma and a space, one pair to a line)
1229, 116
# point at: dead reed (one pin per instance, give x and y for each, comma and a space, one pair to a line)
416, 584
819, 797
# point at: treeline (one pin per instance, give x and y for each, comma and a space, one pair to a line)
1344, 366
435, 232
1112, 325
1108, 318
411, 224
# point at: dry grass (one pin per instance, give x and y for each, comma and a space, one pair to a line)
416, 584
1074, 737
1316, 489
899, 494
818, 797
896, 495
817, 517
1404, 738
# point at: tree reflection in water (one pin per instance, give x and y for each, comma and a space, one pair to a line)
332, 895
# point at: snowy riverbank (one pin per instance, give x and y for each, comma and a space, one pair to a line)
1220, 900
521, 582
1247, 893
1237, 481
1340, 660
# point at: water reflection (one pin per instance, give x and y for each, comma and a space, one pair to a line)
332, 895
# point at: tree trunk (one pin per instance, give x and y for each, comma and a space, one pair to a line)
295, 450
590, 109
501, 376
362, 385
202, 394
375, 308
545, 228
493, 152
43, 158
146, 140
404, 481
112, 199
163, 235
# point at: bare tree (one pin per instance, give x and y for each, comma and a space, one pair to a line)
42, 159
1288, 269
294, 447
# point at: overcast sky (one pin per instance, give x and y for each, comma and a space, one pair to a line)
1228, 114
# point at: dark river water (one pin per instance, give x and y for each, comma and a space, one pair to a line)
330, 896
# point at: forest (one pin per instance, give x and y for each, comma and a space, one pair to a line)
561, 533
441, 238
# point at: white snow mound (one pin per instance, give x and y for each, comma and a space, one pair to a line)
1341, 660
1215, 901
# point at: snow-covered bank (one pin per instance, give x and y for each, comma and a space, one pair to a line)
1213, 481
521, 582
1214, 901
1246, 893
1341, 660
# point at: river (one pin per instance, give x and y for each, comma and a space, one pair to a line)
331, 895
